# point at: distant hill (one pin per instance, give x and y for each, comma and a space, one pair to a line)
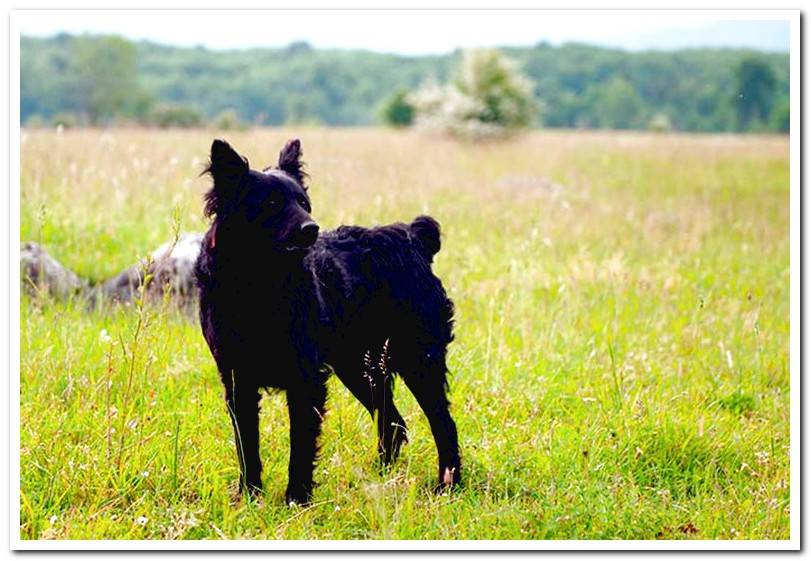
578, 85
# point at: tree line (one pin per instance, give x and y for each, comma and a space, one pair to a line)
102, 80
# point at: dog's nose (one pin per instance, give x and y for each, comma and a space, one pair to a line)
308, 233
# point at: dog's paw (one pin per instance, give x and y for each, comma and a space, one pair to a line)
238, 492
297, 496
449, 479
400, 438
255, 493
387, 455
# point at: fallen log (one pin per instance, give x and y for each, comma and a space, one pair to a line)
170, 269
42, 273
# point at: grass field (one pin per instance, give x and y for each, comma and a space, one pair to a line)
620, 368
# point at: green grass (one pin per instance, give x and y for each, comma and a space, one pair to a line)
620, 368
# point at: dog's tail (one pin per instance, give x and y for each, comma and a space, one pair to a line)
426, 230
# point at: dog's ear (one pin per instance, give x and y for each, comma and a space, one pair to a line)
226, 164
290, 160
227, 168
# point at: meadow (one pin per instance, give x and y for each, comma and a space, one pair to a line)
620, 369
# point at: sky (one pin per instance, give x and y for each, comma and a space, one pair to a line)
418, 32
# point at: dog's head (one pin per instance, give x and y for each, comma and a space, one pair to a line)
267, 207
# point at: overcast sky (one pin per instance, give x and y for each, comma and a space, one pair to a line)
416, 32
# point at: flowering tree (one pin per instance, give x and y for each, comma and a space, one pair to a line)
488, 96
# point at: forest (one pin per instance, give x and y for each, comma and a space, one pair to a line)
106, 80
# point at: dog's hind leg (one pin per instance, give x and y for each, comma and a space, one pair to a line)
392, 432
243, 408
306, 404
375, 391
427, 382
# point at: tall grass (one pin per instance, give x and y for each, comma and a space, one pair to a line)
620, 368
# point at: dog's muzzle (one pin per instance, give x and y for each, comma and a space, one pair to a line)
306, 235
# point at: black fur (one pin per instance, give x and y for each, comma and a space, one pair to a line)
282, 306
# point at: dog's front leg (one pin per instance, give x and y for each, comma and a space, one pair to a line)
306, 406
243, 408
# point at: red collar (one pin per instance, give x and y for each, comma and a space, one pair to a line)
213, 241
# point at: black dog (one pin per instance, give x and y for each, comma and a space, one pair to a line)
281, 306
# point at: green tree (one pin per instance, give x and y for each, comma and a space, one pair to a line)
660, 123
64, 119
139, 105
617, 105
756, 91
104, 76
170, 115
228, 119
781, 115
396, 111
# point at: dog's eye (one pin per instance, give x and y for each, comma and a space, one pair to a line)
305, 204
275, 199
